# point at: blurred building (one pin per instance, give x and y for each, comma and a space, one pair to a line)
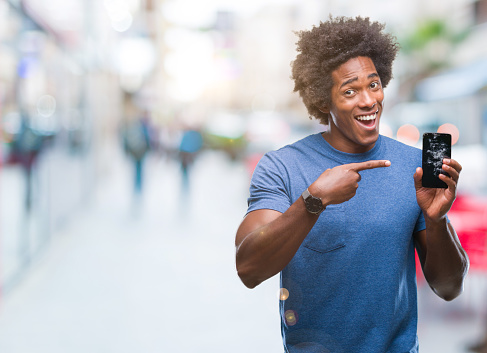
449, 87
64, 72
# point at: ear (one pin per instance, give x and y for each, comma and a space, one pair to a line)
324, 109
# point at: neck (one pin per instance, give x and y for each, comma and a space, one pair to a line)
344, 145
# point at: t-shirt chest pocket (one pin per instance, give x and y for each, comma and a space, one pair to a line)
328, 234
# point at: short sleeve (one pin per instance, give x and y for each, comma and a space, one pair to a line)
268, 187
420, 223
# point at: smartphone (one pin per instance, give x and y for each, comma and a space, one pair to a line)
436, 147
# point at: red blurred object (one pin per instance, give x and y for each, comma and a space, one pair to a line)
251, 162
468, 216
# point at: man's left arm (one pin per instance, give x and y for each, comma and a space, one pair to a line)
445, 263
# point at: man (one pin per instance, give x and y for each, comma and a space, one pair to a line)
340, 213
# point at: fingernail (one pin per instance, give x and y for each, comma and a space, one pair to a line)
387, 163
446, 160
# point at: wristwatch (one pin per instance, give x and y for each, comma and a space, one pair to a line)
313, 204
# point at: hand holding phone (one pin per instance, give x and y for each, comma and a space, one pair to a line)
436, 147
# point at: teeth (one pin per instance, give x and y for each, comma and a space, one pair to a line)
367, 117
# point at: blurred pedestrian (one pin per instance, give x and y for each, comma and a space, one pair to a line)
137, 143
190, 146
26, 147
339, 214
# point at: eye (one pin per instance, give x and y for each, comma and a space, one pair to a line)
375, 85
348, 93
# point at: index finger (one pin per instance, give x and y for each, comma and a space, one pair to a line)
369, 165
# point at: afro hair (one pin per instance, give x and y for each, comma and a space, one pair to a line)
324, 48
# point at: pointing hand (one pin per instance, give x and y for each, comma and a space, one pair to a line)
339, 184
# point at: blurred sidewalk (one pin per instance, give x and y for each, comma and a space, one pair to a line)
158, 275
154, 277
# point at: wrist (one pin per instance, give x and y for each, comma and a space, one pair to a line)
313, 204
317, 192
435, 221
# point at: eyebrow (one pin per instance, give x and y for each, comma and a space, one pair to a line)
353, 79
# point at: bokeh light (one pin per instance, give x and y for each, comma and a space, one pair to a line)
408, 134
385, 130
283, 294
452, 130
120, 15
124, 23
291, 317
46, 105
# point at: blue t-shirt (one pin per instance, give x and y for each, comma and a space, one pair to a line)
352, 282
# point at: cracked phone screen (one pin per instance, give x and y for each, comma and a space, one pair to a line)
436, 147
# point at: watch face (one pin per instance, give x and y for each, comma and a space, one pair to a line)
314, 204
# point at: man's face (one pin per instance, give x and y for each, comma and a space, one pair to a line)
356, 106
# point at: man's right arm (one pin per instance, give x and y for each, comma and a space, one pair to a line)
267, 240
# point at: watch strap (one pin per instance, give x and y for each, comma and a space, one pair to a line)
306, 194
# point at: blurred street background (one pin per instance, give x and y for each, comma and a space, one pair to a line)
128, 135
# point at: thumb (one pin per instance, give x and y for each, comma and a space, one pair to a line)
418, 178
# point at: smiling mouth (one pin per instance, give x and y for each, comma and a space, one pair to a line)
368, 117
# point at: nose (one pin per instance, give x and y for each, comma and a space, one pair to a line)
368, 100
